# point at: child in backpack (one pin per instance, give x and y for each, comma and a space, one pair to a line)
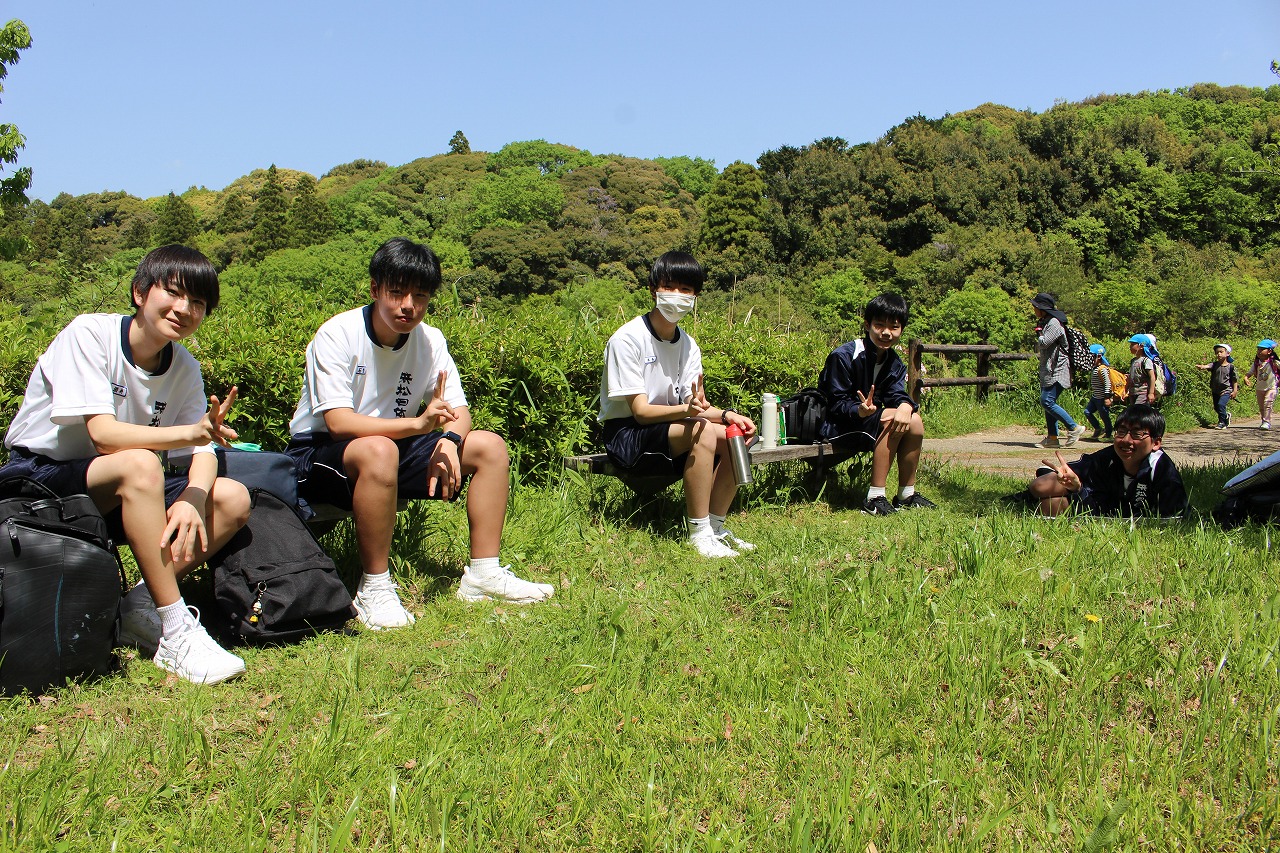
382, 417
869, 409
1100, 394
1266, 370
1131, 478
109, 392
654, 409
1223, 384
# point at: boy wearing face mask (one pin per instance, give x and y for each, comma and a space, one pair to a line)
869, 409
654, 408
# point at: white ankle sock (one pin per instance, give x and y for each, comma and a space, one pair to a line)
484, 567
381, 580
717, 523
905, 492
175, 618
699, 525
875, 492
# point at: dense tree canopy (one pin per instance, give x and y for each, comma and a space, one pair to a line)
1152, 210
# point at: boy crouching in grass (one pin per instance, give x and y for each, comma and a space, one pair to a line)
382, 417
1133, 477
869, 409
109, 392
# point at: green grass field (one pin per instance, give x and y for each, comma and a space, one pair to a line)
968, 678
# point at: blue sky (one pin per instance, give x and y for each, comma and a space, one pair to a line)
150, 97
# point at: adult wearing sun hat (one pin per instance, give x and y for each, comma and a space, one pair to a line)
1055, 370
1266, 371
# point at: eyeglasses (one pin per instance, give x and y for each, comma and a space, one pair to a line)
1136, 435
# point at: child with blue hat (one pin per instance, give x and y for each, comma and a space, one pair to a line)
1266, 371
1101, 394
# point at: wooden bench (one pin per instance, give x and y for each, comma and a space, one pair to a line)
821, 455
325, 517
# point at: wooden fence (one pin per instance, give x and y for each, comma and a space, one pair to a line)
983, 382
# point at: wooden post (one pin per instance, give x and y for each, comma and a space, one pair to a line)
984, 368
913, 369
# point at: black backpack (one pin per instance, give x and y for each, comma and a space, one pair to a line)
804, 414
60, 587
273, 582
1078, 355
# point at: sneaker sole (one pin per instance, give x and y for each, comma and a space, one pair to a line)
208, 679
473, 597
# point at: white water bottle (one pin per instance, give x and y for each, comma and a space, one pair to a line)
769, 421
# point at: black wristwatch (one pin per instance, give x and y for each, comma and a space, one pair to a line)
724, 416
454, 437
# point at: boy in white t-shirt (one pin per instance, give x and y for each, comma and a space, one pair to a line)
108, 393
654, 408
382, 417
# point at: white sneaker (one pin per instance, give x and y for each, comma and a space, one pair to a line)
728, 537
1048, 442
503, 586
1074, 435
194, 655
380, 607
709, 545
1266, 424
140, 625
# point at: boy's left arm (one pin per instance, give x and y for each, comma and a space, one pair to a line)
445, 470
898, 405
186, 530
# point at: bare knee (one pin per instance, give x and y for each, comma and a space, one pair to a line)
373, 458
231, 501
138, 471
484, 450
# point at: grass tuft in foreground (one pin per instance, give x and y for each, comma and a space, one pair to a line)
968, 678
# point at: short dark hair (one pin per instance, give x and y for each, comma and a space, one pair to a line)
1145, 417
404, 263
678, 268
177, 265
887, 306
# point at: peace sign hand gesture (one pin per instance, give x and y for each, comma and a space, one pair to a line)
867, 403
213, 427
698, 396
1069, 479
438, 411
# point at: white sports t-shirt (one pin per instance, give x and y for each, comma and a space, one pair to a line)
348, 369
638, 362
87, 370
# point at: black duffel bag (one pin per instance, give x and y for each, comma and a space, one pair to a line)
60, 586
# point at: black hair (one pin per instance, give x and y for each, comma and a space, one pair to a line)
1145, 417
177, 265
400, 262
678, 268
887, 306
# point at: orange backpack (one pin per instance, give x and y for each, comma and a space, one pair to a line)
1119, 382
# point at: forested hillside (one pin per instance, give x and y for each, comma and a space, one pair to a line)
1154, 211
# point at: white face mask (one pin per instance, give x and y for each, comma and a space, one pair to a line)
674, 306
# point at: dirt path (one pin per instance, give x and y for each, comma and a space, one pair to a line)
1010, 450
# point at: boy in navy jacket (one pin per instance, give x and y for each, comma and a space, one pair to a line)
869, 410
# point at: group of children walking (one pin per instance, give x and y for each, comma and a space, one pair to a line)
1142, 383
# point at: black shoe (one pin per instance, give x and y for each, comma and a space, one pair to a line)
916, 501
1042, 470
878, 506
